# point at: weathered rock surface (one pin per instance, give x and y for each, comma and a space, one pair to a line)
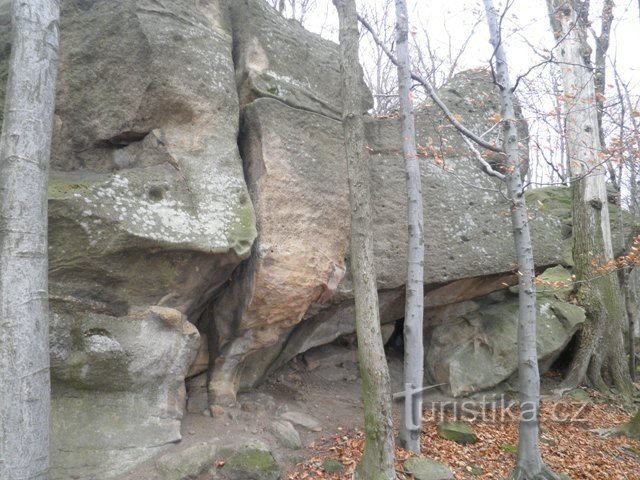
472, 345
186, 464
459, 432
152, 209
252, 461
286, 434
149, 214
277, 58
118, 388
302, 419
296, 173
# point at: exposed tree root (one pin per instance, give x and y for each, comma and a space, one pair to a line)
545, 473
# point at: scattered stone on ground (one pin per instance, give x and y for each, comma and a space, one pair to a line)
458, 432
286, 434
302, 419
423, 468
252, 461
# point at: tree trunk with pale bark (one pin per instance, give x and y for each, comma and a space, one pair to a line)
377, 461
599, 358
25, 145
529, 464
411, 426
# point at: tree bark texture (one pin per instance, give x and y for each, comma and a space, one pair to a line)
529, 462
411, 426
377, 462
600, 353
25, 145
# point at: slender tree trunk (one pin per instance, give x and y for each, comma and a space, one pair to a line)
600, 352
529, 463
25, 145
414, 305
378, 459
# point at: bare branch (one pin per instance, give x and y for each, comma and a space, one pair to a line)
434, 96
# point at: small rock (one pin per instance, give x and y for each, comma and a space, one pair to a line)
302, 419
579, 395
423, 468
458, 432
216, 411
233, 415
252, 461
186, 464
286, 434
253, 407
206, 413
328, 355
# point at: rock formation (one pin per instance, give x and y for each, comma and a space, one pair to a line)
198, 187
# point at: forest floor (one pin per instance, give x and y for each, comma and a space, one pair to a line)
327, 388
572, 440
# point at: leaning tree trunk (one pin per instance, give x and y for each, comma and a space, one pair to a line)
414, 305
599, 357
529, 463
378, 459
25, 145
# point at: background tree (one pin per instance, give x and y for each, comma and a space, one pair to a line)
25, 145
377, 461
411, 426
599, 355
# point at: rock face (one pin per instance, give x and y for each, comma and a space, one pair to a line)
198, 180
118, 387
297, 179
277, 58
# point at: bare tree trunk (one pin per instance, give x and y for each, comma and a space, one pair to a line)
25, 146
599, 356
378, 459
414, 306
602, 46
529, 464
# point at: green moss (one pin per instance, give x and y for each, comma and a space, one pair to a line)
476, 471
331, 465
250, 460
509, 448
59, 188
241, 234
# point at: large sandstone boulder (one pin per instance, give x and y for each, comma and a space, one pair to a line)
118, 387
472, 346
469, 250
296, 173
